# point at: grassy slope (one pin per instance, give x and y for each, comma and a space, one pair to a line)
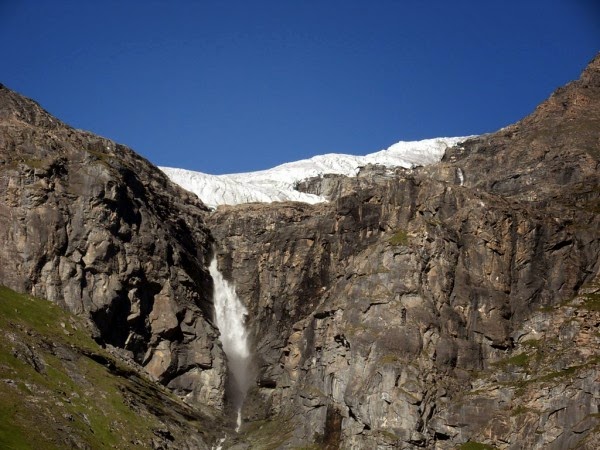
59, 389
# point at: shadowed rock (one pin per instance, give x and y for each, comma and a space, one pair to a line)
92, 226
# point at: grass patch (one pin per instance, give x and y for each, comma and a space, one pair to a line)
73, 400
400, 237
533, 344
352, 330
34, 163
546, 309
59, 389
102, 158
592, 302
10, 438
475, 446
520, 360
561, 373
43, 317
389, 359
268, 434
312, 392
387, 435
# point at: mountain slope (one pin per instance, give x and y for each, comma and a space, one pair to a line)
59, 389
90, 225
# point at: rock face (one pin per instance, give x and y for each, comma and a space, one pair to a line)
433, 307
90, 225
422, 308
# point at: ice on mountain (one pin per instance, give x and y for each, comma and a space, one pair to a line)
277, 184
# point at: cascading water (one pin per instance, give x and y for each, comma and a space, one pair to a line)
229, 317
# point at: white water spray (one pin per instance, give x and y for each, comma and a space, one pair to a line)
229, 317
461, 176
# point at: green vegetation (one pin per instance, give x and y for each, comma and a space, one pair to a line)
59, 389
32, 315
353, 329
388, 359
545, 362
546, 309
46, 398
533, 344
34, 163
313, 391
11, 437
520, 360
475, 446
592, 302
268, 434
566, 372
400, 237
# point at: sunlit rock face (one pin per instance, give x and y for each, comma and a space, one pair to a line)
434, 306
92, 226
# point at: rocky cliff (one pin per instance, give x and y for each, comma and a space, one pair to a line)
450, 305
95, 228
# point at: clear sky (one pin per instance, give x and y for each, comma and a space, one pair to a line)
231, 86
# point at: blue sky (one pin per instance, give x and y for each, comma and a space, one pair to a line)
232, 86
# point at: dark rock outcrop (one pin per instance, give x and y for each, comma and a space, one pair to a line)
92, 226
432, 307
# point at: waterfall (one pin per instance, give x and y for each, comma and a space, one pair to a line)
461, 176
229, 317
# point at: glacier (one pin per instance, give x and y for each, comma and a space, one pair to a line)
277, 184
